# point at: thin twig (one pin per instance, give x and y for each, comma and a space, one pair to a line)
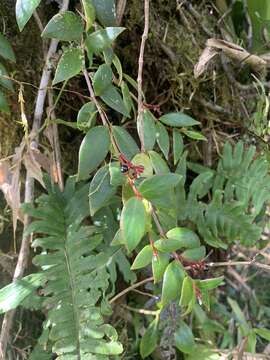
140, 74
141, 311
29, 187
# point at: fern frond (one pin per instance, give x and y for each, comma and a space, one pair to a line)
76, 275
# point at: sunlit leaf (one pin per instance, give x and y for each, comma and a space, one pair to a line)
143, 258
69, 65
66, 26
159, 264
24, 11
186, 237
194, 135
158, 184
195, 254
210, 284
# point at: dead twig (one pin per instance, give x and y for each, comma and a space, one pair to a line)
140, 74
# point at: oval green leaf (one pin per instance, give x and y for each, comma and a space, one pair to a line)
102, 79
184, 339
156, 185
66, 26
149, 130
178, 119
209, 284
133, 222
69, 65
159, 264
93, 150
195, 254
24, 10
178, 146
125, 142
86, 116
160, 166
149, 339
172, 282
163, 140
187, 292
100, 190
6, 50
143, 259
102, 39
113, 99
186, 237
194, 135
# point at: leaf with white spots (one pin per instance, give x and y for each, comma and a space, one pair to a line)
69, 65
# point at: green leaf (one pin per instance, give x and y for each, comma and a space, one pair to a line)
66, 26
156, 185
125, 142
102, 79
186, 237
93, 150
100, 191
113, 99
167, 245
13, 294
209, 284
4, 107
7, 83
251, 342
87, 116
89, 12
133, 222
264, 333
143, 259
24, 11
239, 316
178, 146
127, 99
163, 140
159, 264
160, 166
194, 135
178, 120
184, 339
187, 293
143, 159
149, 339
172, 282
195, 254
6, 50
102, 39
69, 65
149, 130
106, 12
116, 177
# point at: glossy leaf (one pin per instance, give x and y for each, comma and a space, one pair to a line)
113, 99
160, 166
6, 50
7, 83
89, 13
24, 11
14, 294
186, 237
195, 254
178, 146
106, 12
102, 79
194, 135
100, 191
66, 26
125, 142
163, 140
184, 339
178, 119
133, 222
102, 39
187, 293
4, 107
69, 65
158, 184
87, 116
143, 258
149, 339
149, 130
209, 284
172, 282
93, 150
159, 264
